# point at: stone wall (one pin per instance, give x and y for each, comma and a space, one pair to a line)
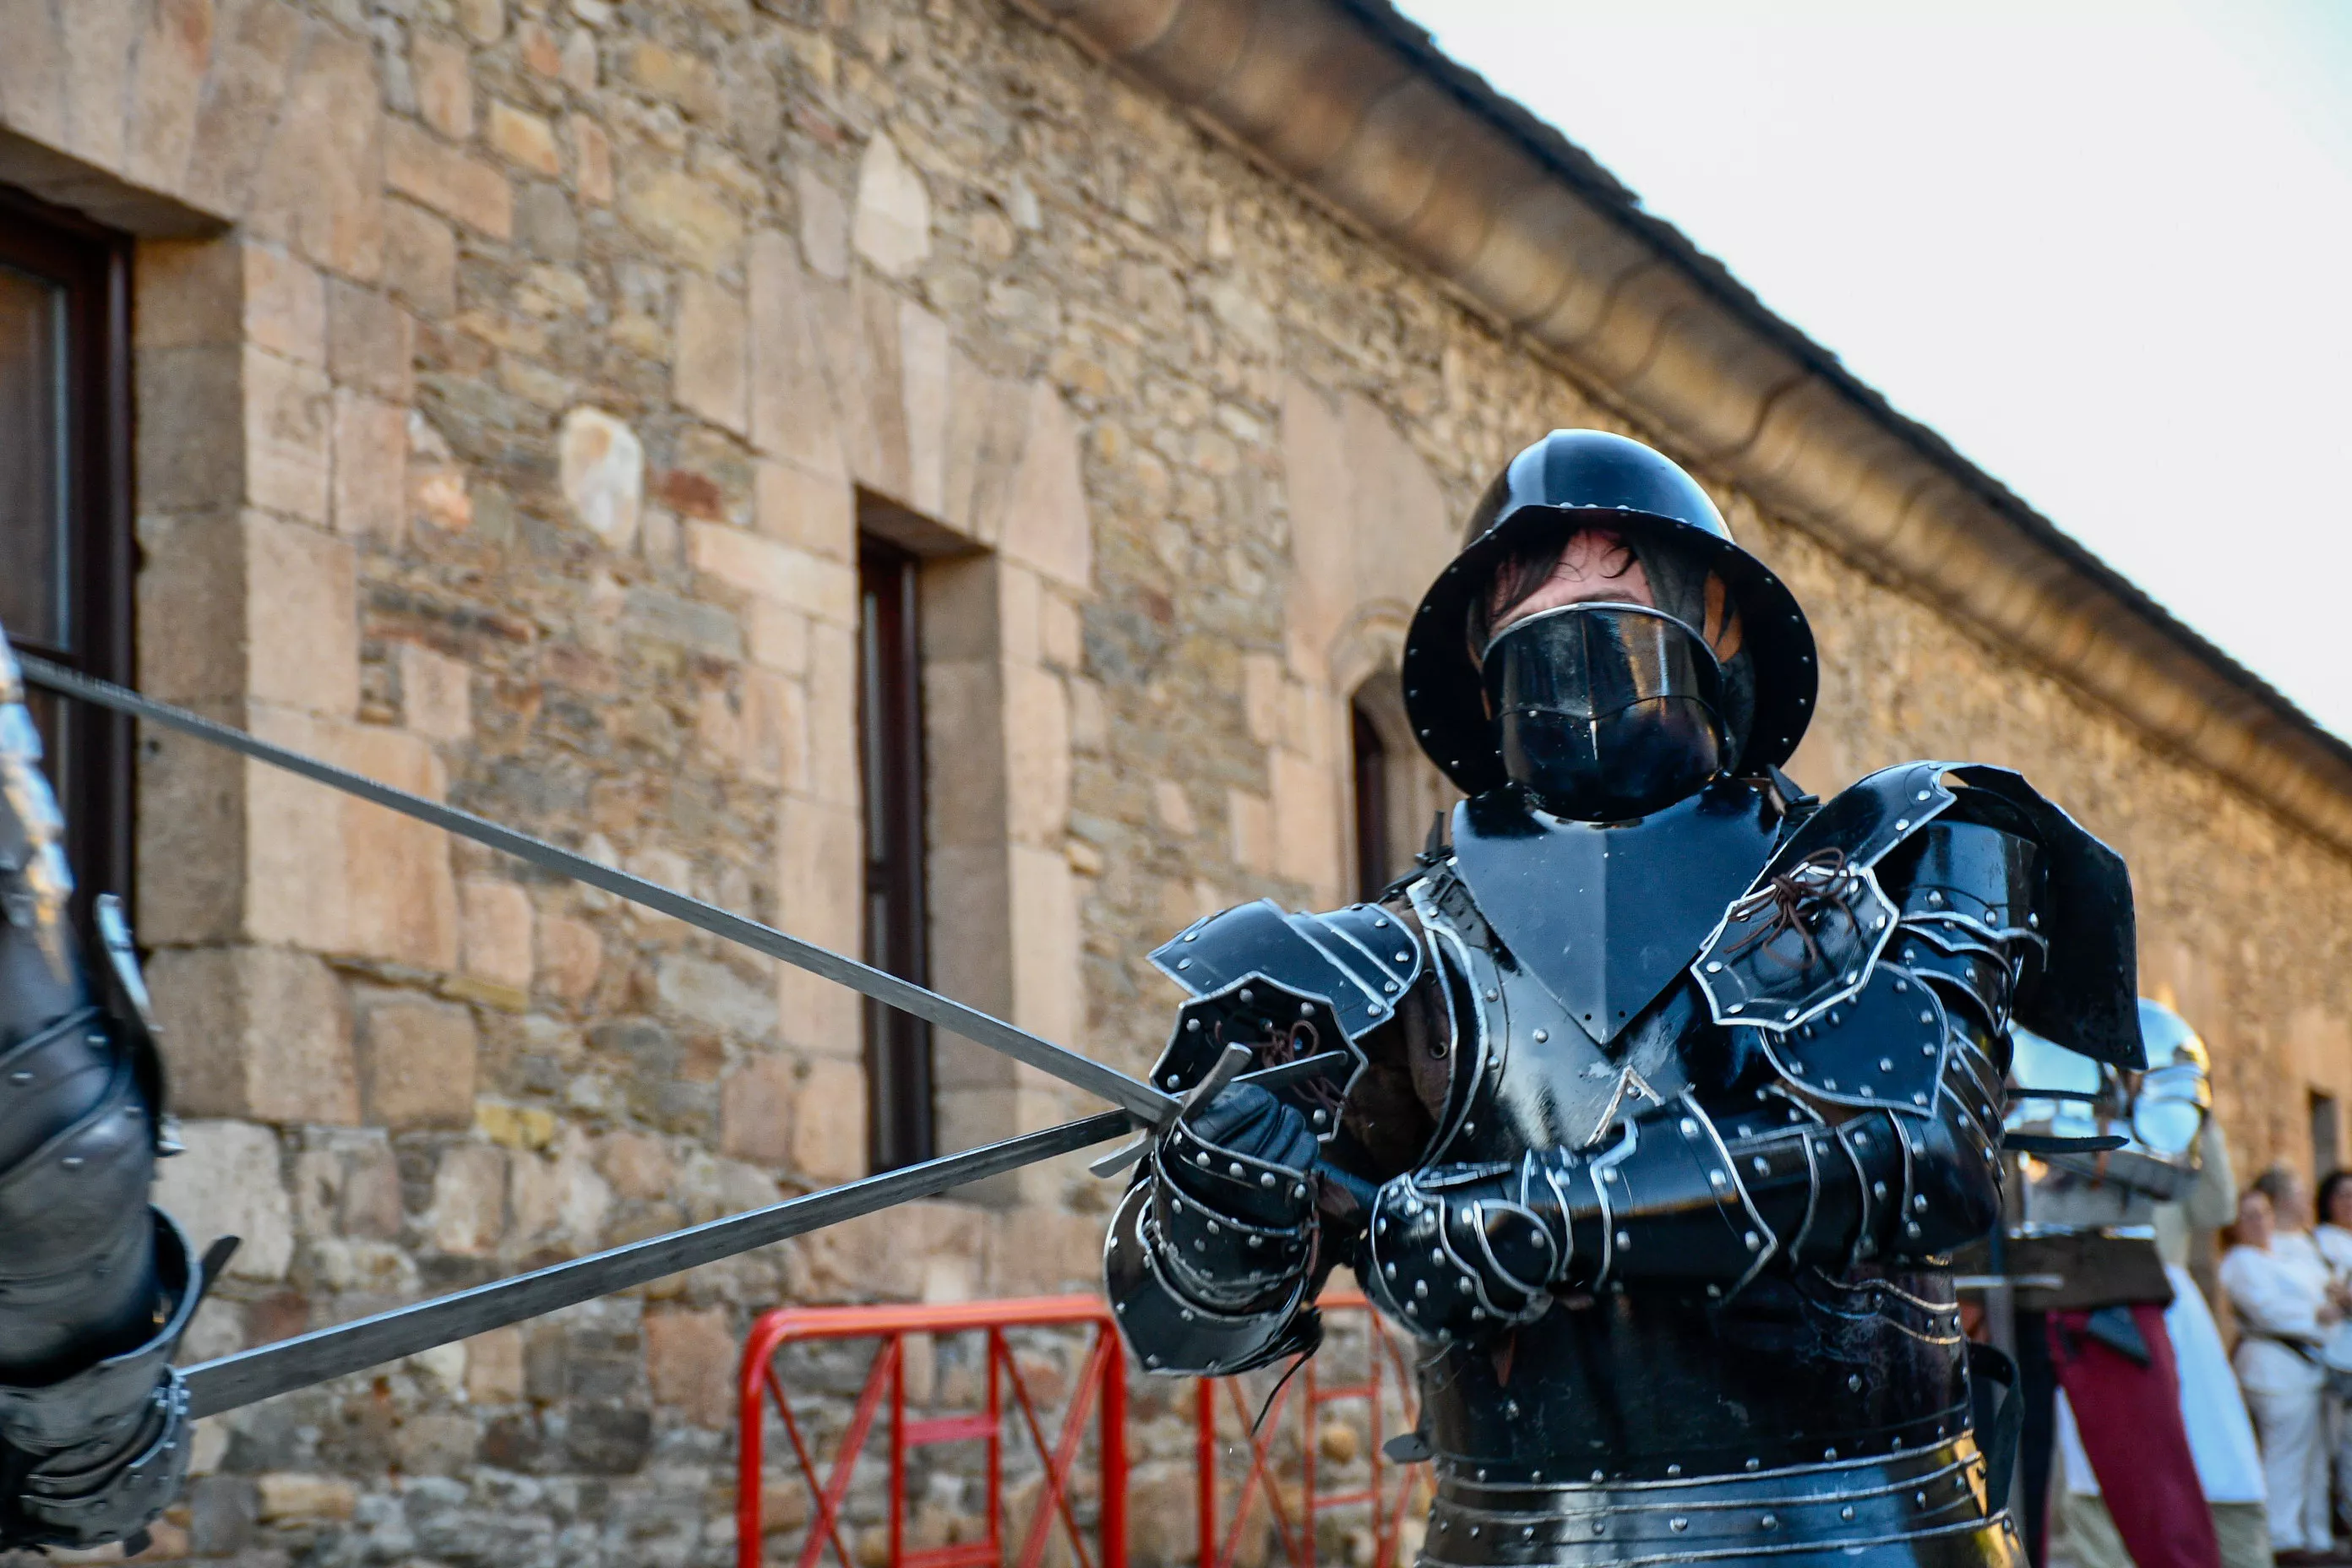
512, 377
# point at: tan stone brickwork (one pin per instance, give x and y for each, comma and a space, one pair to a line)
508, 438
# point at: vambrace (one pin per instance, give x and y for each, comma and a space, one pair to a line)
96, 1288
1209, 1259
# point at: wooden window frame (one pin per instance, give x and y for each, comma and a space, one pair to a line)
91, 755
902, 1122
1369, 755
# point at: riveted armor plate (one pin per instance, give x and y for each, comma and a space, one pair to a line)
1359, 960
1279, 1026
1882, 1048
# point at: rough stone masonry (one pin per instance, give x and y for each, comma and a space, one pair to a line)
512, 378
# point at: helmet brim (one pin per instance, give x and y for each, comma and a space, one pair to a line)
1446, 702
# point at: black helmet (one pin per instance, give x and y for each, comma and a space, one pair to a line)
1575, 479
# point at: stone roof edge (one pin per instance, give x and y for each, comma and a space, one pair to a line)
1358, 107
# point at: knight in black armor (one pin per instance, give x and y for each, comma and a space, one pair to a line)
96, 1287
1669, 1088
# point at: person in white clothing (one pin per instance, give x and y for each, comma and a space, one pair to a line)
2279, 1289
2333, 1236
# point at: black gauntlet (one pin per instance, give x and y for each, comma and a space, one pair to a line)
1212, 1249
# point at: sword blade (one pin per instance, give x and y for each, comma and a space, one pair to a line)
1083, 1072
231, 1380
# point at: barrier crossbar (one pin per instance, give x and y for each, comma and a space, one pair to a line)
1099, 1389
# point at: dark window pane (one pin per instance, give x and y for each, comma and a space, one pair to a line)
891, 735
1373, 870
33, 499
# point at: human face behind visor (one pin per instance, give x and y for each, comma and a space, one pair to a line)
1605, 707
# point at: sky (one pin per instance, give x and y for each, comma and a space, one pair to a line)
2104, 248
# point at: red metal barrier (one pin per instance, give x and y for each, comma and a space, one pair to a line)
1103, 1380
1386, 1371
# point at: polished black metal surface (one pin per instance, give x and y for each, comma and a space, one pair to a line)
1359, 958
1606, 712
1925, 1506
1607, 917
1574, 479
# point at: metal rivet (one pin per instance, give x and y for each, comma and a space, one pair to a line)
1853, 1381
1678, 1524
1543, 1034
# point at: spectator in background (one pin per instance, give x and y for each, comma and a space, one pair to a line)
2334, 1238
2279, 1289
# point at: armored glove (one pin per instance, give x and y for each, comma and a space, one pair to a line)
1211, 1250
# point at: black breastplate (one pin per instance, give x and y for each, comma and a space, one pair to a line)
1645, 1383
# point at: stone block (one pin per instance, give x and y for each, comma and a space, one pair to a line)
227, 1181
602, 467
468, 1213
1048, 988
370, 500
713, 995
671, 74
371, 341
166, 86
557, 1199
301, 618
436, 693
923, 359
570, 954
777, 638
1060, 638
690, 1364
1046, 525
494, 1367
824, 223
796, 579
829, 1121
819, 870
420, 259
445, 85
288, 1495
818, 513
484, 21
758, 722
832, 713
1305, 811
683, 215
496, 930
522, 139
253, 59
191, 440
709, 374
1036, 729
1250, 818
1262, 703
452, 183
793, 412
285, 304
755, 1111
288, 424
347, 1183
316, 187
592, 161
892, 224
417, 1061
188, 293
639, 1167
257, 1032
889, 1255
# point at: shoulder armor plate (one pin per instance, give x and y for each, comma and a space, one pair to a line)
1882, 1048
1359, 960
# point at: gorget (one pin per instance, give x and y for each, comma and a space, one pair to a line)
1606, 915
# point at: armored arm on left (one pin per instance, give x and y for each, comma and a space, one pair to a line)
96, 1287
1245, 1203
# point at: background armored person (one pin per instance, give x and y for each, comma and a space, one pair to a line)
2099, 1297
1672, 1087
96, 1287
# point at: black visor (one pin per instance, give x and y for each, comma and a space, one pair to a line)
1605, 711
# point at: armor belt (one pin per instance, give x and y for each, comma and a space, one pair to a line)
1924, 1506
